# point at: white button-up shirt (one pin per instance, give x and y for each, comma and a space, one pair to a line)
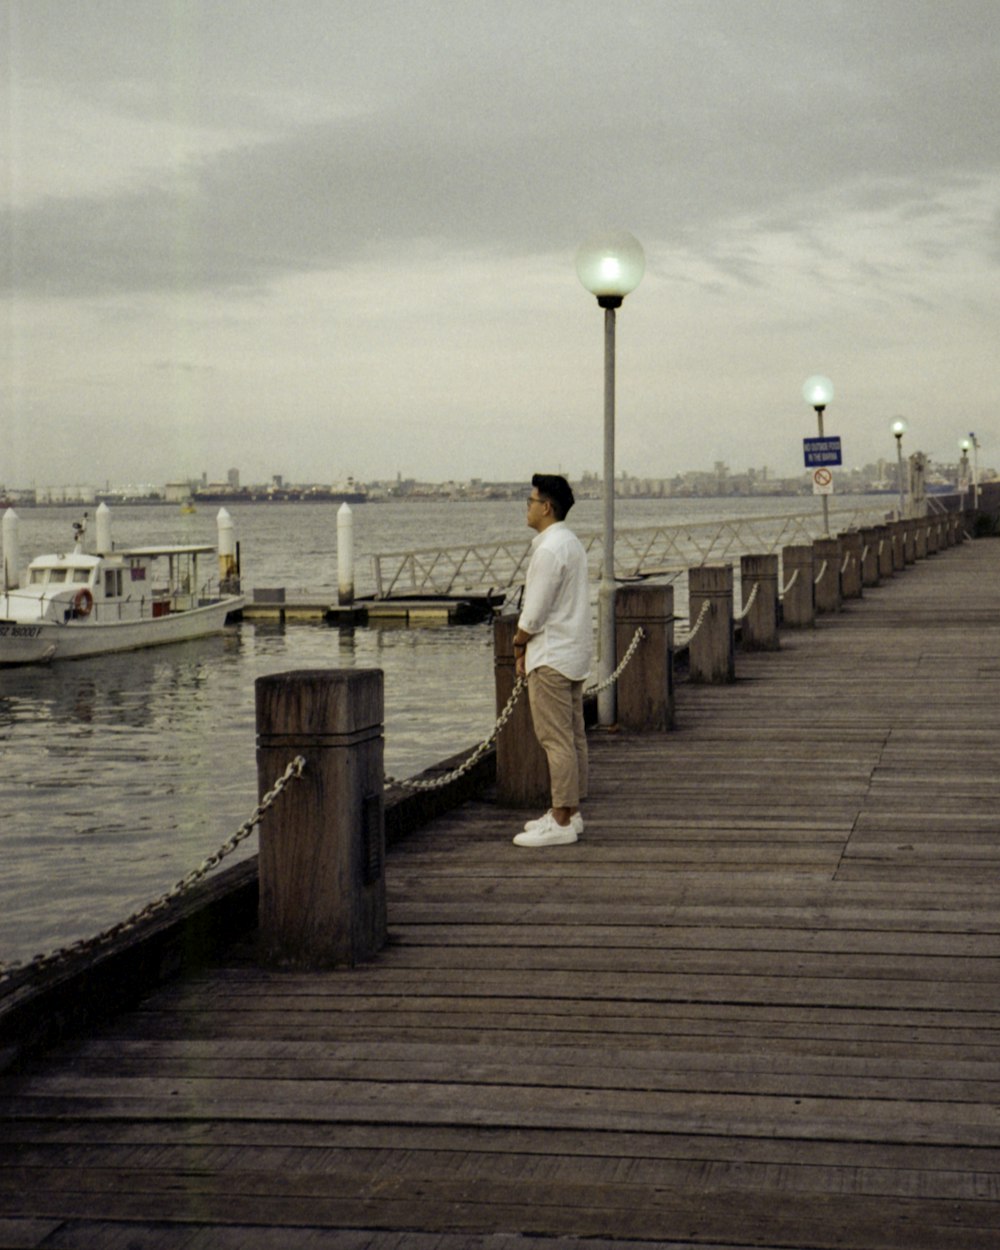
556, 606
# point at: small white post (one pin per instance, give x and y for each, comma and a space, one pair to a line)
227, 546
104, 544
345, 555
11, 551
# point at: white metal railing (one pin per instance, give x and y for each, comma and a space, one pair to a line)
662, 550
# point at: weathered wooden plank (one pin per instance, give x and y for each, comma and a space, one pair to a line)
624, 1211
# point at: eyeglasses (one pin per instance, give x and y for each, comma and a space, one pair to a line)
534, 499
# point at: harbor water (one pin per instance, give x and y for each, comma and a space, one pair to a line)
120, 774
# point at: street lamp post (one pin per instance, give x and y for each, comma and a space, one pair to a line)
975, 470
898, 428
963, 469
609, 266
818, 391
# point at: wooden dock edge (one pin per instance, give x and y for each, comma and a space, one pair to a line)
40, 1008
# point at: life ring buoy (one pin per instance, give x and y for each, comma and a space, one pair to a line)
83, 602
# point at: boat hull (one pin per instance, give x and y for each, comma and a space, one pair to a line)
39, 642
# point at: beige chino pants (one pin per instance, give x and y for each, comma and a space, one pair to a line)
557, 716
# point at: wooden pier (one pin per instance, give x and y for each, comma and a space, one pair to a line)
758, 1005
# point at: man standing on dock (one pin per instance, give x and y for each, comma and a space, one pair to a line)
553, 647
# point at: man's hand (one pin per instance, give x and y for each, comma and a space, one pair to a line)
521, 639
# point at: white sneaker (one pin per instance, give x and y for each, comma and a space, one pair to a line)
547, 833
576, 820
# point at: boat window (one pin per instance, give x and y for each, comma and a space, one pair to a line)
38, 577
112, 583
81, 576
57, 575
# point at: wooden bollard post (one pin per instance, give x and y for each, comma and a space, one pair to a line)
885, 563
933, 537
869, 554
827, 555
759, 582
896, 529
920, 538
646, 685
322, 849
522, 768
712, 648
798, 595
909, 543
851, 581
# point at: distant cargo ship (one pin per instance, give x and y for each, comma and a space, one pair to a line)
279, 494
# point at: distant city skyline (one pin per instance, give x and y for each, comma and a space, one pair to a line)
338, 239
880, 474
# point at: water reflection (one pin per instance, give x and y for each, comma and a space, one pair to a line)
119, 774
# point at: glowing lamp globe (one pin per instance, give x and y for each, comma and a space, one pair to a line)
899, 427
817, 390
610, 266
964, 444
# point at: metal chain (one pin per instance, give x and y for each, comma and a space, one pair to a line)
700, 621
413, 783
294, 770
794, 578
820, 575
637, 637
749, 603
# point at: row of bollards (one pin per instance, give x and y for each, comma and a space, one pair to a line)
322, 847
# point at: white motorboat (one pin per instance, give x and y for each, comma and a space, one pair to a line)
79, 603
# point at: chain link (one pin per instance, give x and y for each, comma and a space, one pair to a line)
792, 580
749, 603
294, 770
414, 783
702, 615
821, 574
637, 637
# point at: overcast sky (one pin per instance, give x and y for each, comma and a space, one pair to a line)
332, 237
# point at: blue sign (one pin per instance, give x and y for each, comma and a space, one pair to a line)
821, 451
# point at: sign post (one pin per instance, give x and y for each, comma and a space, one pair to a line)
821, 454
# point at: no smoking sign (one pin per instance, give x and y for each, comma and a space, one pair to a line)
822, 482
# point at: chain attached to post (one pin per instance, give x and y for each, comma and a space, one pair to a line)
637, 637
702, 615
749, 603
415, 783
294, 770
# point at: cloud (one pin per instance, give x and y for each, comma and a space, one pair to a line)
678, 120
